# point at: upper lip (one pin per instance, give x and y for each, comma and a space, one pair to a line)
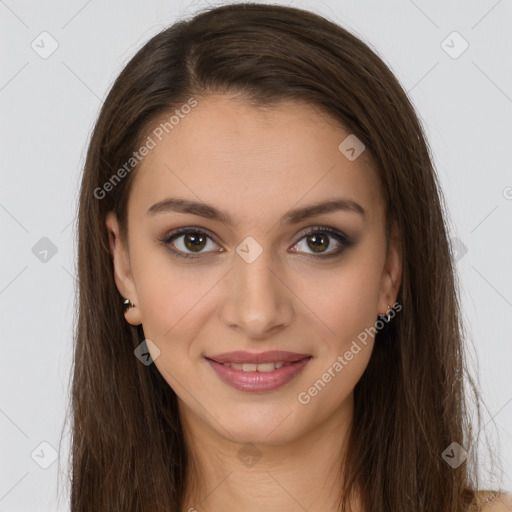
241, 357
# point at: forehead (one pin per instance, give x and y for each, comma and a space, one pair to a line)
253, 162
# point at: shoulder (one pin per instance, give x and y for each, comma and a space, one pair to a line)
501, 503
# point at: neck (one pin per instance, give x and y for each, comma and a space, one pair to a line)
301, 474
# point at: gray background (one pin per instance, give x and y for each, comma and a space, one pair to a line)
48, 108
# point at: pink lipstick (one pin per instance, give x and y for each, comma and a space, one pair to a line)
258, 372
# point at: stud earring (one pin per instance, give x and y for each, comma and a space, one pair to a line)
128, 304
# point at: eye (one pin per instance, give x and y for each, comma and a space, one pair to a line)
318, 241
190, 242
192, 239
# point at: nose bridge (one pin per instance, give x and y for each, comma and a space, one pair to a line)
258, 301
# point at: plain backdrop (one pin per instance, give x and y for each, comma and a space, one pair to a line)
58, 61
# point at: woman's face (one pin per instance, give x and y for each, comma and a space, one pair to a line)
255, 280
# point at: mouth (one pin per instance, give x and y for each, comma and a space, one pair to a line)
258, 372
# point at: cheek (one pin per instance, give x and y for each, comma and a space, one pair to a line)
166, 291
343, 300
347, 306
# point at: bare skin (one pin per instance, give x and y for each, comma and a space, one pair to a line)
503, 503
257, 165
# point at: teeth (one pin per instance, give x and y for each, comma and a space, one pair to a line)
265, 367
250, 367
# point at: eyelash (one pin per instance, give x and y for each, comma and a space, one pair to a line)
340, 237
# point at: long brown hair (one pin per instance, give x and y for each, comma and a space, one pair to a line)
128, 448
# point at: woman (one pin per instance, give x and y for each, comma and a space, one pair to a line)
268, 316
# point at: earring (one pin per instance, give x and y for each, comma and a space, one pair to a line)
387, 316
127, 304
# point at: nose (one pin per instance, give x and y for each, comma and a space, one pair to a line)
258, 301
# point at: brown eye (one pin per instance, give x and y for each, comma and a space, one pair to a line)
195, 243
318, 240
189, 243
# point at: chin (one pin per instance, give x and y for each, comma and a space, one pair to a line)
269, 424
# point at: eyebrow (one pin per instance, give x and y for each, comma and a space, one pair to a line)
292, 217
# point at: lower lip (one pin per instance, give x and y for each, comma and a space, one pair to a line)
258, 381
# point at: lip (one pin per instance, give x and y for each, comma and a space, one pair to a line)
259, 381
241, 357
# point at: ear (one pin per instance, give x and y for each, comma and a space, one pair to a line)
392, 274
122, 269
